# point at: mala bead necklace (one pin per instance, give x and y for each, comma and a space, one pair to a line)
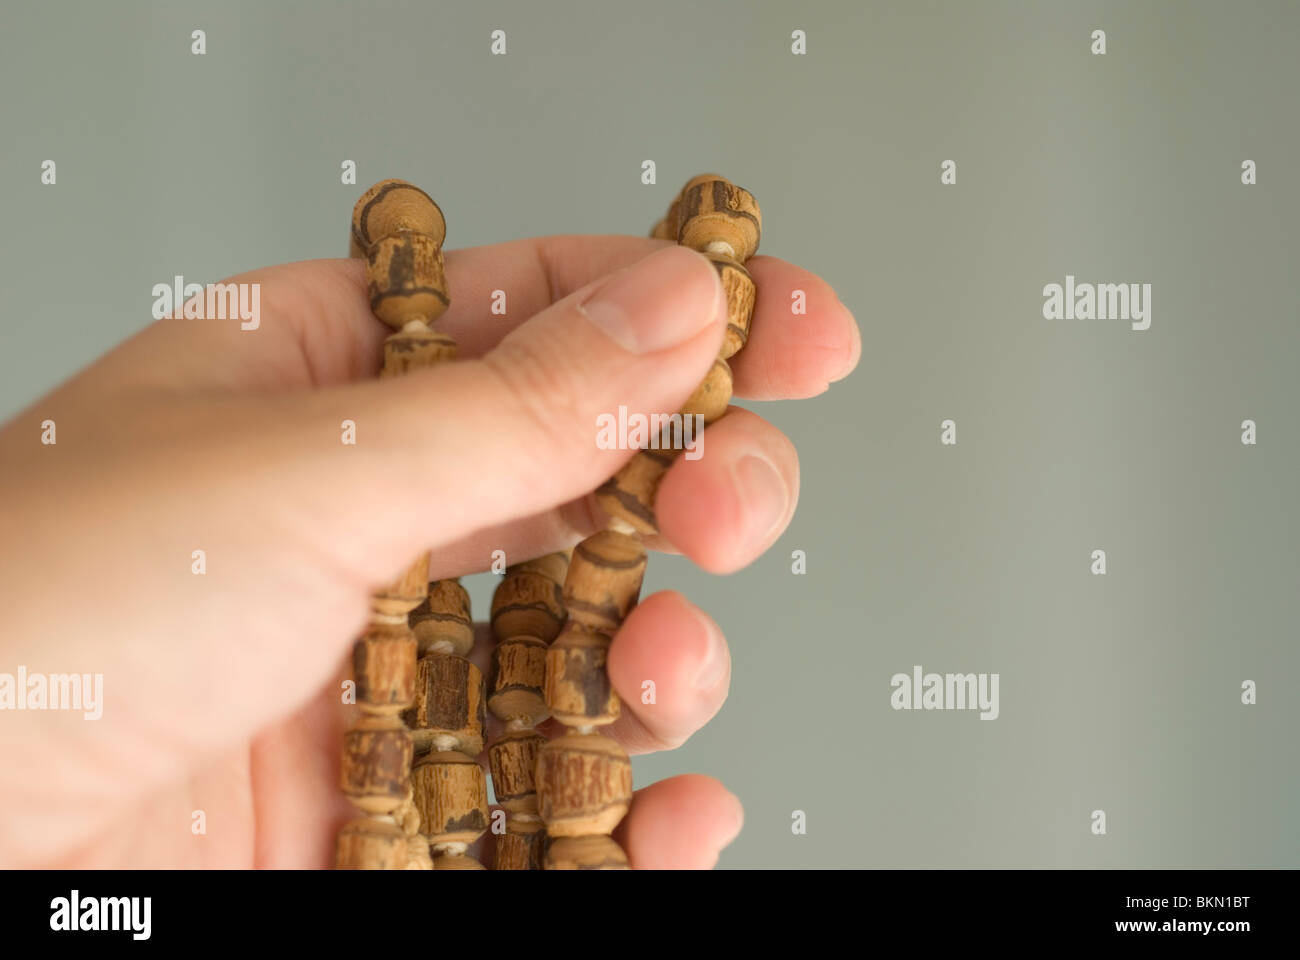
584, 779
527, 614
399, 231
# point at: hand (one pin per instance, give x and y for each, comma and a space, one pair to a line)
221, 691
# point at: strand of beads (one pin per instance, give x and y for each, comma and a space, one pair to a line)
584, 779
527, 613
399, 230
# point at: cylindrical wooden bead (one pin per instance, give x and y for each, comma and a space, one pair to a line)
415, 347
376, 768
629, 495
522, 846
395, 206
371, 843
449, 709
405, 279
407, 592
444, 618
527, 604
552, 566
383, 666
456, 862
578, 690
604, 580
584, 784
593, 852
517, 678
740, 292
717, 215
450, 792
711, 397
513, 761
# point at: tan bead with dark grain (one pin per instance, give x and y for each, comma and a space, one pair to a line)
407, 592
517, 678
521, 847
578, 690
629, 495
717, 215
513, 762
415, 347
383, 667
584, 784
395, 206
527, 604
405, 279
376, 767
449, 709
371, 843
444, 618
604, 580
552, 566
450, 791
594, 852
740, 292
711, 397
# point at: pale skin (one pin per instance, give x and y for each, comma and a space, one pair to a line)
222, 691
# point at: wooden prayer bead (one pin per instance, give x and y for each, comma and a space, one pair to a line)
527, 604
513, 762
629, 495
375, 772
451, 794
578, 690
443, 621
404, 594
415, 347
593, 852
718, 216
449, 709
381, 668
553, 566
739, 290
711, 397
584, 784
395, 206
518, 675
604, 580
405, 279
371, 843
522, 847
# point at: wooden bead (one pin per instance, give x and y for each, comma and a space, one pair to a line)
450, 791
717, 215
449, 709
444, 618
521, 850
461, 862
578, 690
370, 843
395, 206
594, 852
407, 592
405, 279
584, 784
375, 773
513, 762
527, 604
552, 566
415, 347
383, 666
604, 580
629, 495
740, 291
711, 397
517, 678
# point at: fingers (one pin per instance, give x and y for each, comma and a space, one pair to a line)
682, 823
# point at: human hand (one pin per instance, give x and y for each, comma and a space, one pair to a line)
221, 691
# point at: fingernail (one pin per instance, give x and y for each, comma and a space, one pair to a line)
716, 661
764, 498
659, 302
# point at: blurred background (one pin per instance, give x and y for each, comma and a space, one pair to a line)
1119, 692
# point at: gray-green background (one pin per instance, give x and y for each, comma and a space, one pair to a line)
1119, 692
